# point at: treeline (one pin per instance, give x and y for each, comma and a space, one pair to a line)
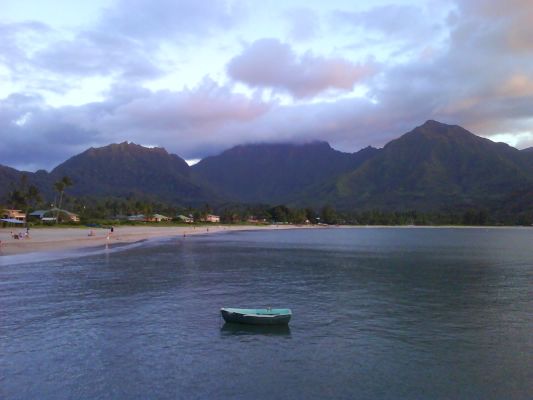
331, 216
26, 197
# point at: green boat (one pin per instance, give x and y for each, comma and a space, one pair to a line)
257, 316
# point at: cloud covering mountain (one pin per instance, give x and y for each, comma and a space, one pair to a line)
199, 77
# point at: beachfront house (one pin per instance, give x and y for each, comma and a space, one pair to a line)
52, 215
211, 218
148, 218
14, 214
159, 218
37, 214
255, 220
63, 215
185, 219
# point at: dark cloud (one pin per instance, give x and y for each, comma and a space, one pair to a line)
479, 76
36, 136
268, 63
189, 123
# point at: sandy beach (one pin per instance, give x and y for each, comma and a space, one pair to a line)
57, 239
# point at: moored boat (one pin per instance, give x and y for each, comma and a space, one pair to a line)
257, 316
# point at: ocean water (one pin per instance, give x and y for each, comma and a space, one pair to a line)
377, 314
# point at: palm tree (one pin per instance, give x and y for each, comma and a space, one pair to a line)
33, 196
60, 187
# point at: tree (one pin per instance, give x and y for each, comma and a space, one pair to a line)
328, 215
32, 196
311, 215
279, 213
24, 196
60, 187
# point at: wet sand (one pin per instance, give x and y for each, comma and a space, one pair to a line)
57, 239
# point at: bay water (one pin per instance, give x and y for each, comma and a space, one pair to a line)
378, 313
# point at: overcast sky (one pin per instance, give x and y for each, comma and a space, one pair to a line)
198, 77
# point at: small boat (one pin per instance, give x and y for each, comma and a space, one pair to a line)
257, 316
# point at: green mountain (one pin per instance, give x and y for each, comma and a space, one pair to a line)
274, 173
10, 179
434, 167
130, 169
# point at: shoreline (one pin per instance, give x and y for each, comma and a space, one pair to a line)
77, 238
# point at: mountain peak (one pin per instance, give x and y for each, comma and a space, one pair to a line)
433, 123
435, 131
126, 147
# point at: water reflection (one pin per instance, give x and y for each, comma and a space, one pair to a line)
229, 329
445, 313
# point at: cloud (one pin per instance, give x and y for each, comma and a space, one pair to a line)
35, 135
153, 21
187, 122
304, 23
125, 43
395, 30
479, 75
390, 20
16, 42
268, 63
97, 53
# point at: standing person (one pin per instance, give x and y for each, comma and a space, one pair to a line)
27, 231
112, 229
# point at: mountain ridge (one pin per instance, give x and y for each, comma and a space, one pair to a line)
434, 166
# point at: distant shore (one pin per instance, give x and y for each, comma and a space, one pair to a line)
58, 239
61, 239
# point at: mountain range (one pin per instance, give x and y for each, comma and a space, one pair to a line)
434, 167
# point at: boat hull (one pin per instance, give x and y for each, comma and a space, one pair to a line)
262, 317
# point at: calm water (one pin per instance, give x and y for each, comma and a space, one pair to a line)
377, 314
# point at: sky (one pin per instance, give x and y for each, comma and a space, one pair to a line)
198, 77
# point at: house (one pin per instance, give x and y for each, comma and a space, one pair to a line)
14, 214
52, 215
63, 215
119, 217
255, 220
148, 218
183, 218
211, 218
159, 218
37, 214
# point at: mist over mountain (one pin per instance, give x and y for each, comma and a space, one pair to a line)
434, 167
